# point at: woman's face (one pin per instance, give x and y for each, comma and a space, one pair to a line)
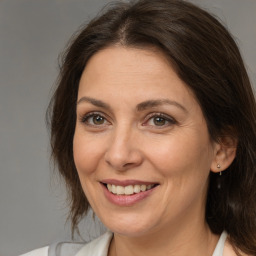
141, 144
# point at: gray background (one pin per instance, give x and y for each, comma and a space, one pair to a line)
32, 34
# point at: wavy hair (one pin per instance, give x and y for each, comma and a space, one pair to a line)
207, 59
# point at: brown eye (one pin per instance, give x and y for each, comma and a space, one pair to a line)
98, 120
94, 119
159, 121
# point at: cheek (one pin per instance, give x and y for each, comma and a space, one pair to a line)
87, 154
178, 155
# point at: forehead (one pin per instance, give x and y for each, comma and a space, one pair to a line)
143, 73
122, 62
125, 60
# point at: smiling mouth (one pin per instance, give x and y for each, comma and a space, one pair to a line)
128, 190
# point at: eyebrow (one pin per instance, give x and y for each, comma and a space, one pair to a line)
159, 102
140, 107
97, 103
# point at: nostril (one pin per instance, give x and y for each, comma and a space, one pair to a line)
128, 164
122, 155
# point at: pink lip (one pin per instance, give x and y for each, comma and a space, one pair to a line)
126, 200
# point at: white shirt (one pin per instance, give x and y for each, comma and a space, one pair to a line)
99, 247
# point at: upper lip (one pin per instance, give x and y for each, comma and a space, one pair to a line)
127, 182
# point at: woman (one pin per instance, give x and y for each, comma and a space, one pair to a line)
153, 126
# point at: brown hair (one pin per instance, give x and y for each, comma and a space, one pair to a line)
207, 59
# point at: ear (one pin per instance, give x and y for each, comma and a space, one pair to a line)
225, 153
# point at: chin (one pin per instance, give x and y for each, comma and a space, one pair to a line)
130, 226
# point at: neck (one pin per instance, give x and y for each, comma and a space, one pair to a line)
194, 240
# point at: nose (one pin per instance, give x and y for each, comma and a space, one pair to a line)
123, 152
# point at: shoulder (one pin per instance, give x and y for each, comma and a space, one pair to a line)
99, 246
38, 252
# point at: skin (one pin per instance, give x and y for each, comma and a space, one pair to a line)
116, 139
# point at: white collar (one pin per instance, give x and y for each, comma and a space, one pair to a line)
97, 247
220, 245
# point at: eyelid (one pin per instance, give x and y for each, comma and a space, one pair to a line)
83, 118
168, 118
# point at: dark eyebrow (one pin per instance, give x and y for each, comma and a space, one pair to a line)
140, 107
158, 102
97, 103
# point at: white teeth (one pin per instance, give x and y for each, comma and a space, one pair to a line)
128, 190
119, 190
113, 189
143, 187
136, 188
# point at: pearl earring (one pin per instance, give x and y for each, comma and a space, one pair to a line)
218, 166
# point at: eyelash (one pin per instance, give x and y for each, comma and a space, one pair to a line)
84, 119
165, 118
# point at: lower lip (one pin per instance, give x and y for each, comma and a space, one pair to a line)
126, 200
